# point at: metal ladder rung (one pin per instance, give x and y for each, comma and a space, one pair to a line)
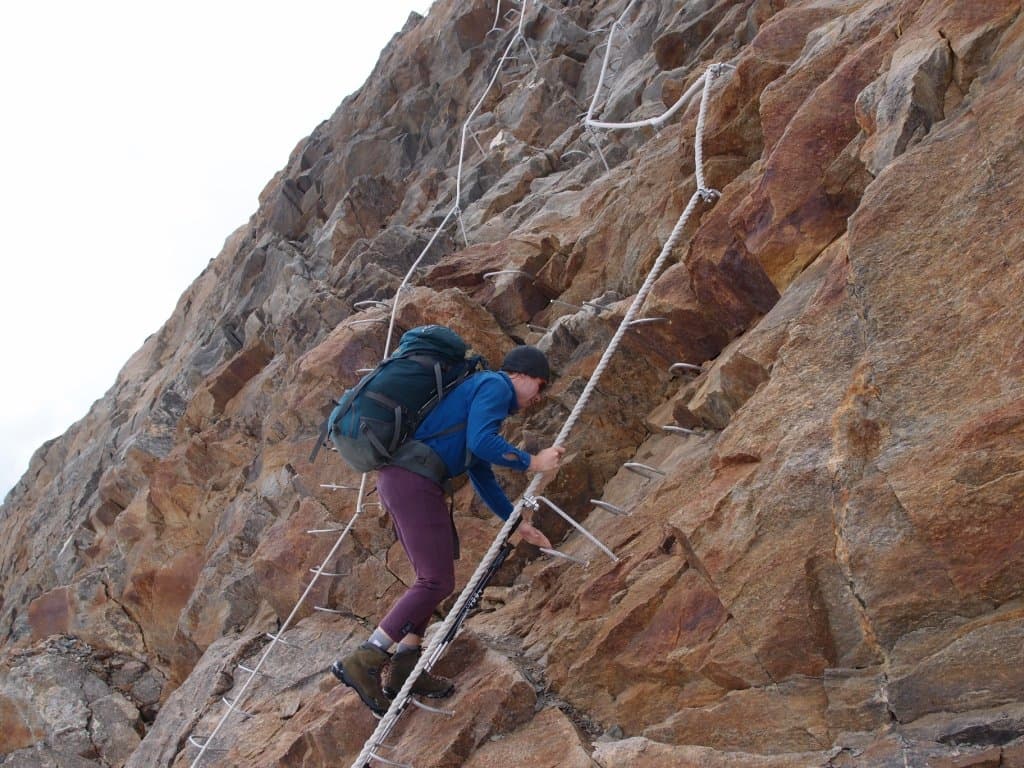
371, 303
652, 473
685, 368
321, 572
375, 756
335, 487
609, 507
202, 745
279, 639
365, 370
488, 275
368, 321
316, 531
252, 671
595, 306
574, 524
538, 328
559, 301
435, 710
647, 321
563, 556
673, 429
234, 707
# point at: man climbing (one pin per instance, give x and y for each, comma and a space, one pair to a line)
463, 432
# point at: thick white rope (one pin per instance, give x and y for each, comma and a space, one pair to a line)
275, 638
517, 37
453, 211
604, 66
435, 647
653, 122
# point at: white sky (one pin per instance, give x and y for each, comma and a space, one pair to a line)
135, 138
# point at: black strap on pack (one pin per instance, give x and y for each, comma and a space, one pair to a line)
321, 439
419, 458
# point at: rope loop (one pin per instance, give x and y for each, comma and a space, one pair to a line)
715, 70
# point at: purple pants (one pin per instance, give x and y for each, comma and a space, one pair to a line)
424, 527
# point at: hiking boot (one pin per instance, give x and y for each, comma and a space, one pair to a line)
360, 671
426, 684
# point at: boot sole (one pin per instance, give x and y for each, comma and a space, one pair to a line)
339, 672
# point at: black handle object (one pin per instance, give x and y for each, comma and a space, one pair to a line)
478, 589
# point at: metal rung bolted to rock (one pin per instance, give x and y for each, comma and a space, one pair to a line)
435, 710
652, 473
647, 321
609, 507
673, 429
201, 744
497, 273
334, 487
565, 516
321, 572
684, 369
384, 760
564, 303
371, 303
252, 671
538, 328
234, 708
279, 639
317, 531
563, 556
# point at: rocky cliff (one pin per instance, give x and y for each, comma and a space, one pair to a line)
827, 570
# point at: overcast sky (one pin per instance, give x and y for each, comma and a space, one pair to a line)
135, 138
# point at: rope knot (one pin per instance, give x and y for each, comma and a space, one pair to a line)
717, 69
708, 195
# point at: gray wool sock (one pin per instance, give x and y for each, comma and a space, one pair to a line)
403, 648
380, 639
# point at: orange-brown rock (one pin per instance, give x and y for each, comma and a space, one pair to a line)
826, 571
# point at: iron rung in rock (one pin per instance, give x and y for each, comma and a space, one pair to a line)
563, 556
685, 368
609, 507
652, 473
202, 745
435, 710
681, 430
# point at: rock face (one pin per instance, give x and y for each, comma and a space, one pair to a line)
828, 572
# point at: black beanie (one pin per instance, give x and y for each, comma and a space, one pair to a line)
528, 360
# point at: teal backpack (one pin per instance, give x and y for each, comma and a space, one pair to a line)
380, 414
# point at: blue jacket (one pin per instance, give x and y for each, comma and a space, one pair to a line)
464, 431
